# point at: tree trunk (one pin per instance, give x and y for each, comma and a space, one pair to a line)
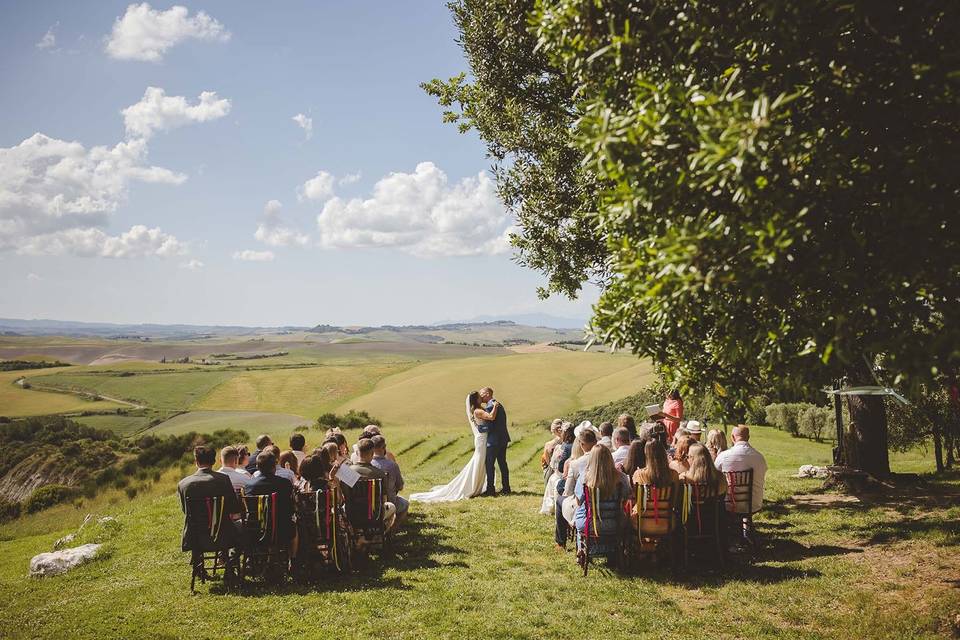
868, 429
937, 446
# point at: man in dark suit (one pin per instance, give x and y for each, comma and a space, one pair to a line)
207, 483
267, 482
497, 440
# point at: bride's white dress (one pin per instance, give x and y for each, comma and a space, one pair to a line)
470, 481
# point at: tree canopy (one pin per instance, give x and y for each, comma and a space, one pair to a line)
769, 186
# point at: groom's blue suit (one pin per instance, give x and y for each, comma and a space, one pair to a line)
497, 439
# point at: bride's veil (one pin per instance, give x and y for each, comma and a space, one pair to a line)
469, 410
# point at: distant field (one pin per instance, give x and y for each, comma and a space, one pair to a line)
306, 392
174, 390
119, 424
532, 386
16, 402
279, 425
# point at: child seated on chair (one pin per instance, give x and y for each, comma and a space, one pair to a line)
658, 473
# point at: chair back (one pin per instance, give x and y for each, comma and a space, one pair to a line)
205, 522
365, 504
317, 515
604, 517
261, 518
656, 513
700, 508
740, 491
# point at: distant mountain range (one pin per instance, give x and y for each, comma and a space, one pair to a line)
20, 327
530, 320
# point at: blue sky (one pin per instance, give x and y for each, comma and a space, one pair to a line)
244, 163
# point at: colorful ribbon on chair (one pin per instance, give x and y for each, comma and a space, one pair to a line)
214, 516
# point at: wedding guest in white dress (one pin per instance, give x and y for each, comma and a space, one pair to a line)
557, 460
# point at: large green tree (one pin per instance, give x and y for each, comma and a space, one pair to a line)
773, 184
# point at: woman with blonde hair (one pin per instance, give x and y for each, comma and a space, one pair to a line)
703, 471
607, 489
558, 456
716, 442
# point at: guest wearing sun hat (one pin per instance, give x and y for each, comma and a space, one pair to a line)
694, 429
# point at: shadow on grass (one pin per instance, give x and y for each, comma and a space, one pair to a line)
413, 548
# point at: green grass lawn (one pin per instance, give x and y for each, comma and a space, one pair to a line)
830, 567
531, 386
253, 422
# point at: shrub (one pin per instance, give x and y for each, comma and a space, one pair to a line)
48, 496
785, 416
9, 510
814, 420
351, 420
131, 492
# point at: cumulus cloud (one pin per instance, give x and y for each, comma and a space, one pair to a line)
350, 178
305, 123
192, 265
319, 187
49, 39
157, 111
420, 213
32, 277
143, 33
57, 195
249, 255
138, 242
273, 231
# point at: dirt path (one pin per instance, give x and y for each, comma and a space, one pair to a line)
43, 387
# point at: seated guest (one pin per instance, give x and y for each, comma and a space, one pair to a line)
229, 458
297, 443
635, 458
243, 459
626, 421
702, 471
394, 482
365, 469
606, 435
265, 482
610, 487
561, 453
288, 461
343, 451
659, 433
549, 446
658, 473
621, 446
567, 502
263, 441
657, 469
716, 442
740, 457
207, 483
679, 463
694, 428
279, 470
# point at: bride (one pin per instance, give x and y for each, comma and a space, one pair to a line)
470, 481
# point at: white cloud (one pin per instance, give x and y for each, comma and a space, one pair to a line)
138, 242
273, 231
32, 277
192, 265
57, 195
350, 178
420, 213
157, 111
143, 33
305, 123
49, 39
250, 255
319, 187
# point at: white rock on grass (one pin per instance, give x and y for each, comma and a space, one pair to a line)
58, 562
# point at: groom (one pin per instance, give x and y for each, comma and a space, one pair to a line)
497, 439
